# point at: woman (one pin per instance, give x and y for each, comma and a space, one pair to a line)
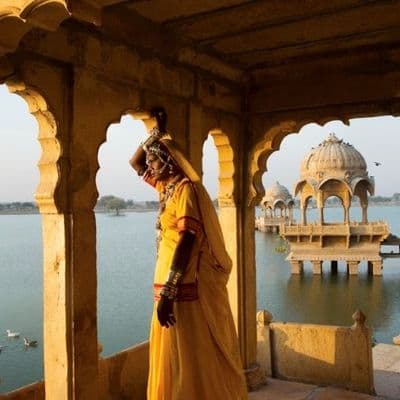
194, 352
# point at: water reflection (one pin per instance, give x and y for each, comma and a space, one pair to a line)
327, 298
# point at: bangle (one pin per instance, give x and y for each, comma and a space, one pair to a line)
169, 291
174, 278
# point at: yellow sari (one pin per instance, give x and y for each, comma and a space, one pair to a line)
198, 358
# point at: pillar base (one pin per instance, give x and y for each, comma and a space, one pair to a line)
297, 266
377, 268
317, 267
352, 267
255, 377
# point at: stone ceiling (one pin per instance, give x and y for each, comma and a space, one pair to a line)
257, 38
257, 35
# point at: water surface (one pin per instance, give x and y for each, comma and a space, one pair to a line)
126, 252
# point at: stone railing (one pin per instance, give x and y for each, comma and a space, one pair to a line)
354, 228
317, 354
34, 391
124, 375
121, 376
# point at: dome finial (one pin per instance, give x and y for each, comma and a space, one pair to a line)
332, 138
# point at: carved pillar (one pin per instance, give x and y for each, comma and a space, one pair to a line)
303, 209
352, 267
297, 266
364, 210
238, 228
69, 253
317, 267
346, 214
237, 219
321, 215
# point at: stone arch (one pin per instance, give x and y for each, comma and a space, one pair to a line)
342, 204
260, 153
362, 186
279, 205
226, 166
138, 116
22, 16
49, 181
51, 202
269, 142
332, 185
305, 209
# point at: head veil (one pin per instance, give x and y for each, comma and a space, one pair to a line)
208, 214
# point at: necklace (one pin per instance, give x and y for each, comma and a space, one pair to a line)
165, 196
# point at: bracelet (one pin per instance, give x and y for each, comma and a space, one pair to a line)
174, 278
169, 291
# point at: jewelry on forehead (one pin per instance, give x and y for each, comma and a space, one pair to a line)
155, 148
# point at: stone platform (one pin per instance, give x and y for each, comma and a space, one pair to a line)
386, 359
283, 390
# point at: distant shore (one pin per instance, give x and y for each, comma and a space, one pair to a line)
33, 212
143, 210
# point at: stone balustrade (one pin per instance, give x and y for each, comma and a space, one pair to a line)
121, 376
352, 229
317, 354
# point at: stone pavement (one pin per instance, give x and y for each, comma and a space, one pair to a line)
283, 390
386, 359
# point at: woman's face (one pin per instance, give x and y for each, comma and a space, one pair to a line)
158, 169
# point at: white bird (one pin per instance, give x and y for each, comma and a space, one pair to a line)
12, 334
30, 343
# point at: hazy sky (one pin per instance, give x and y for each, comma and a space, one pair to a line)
378, 139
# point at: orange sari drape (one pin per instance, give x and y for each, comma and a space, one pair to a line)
198, 358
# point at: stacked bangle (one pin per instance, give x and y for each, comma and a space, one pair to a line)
170, 288
169, 291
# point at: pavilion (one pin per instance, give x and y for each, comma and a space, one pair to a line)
246, 72
335, 169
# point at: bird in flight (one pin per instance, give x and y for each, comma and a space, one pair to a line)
377, 163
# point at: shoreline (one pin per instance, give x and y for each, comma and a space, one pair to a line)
141, 210
36, 212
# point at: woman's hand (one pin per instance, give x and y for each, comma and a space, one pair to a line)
165, 312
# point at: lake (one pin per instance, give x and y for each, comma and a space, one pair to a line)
126, 252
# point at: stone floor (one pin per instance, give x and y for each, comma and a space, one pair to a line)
386, 360
282, 390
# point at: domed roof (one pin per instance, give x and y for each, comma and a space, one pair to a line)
333, 156
334, 159
276, 193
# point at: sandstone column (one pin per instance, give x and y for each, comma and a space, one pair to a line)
297, 266
317, 267
352, 267
377, 267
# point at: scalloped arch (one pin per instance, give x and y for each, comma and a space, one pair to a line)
137, 115
51, 149
270, 141
341, 181
226, 166
17, 17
